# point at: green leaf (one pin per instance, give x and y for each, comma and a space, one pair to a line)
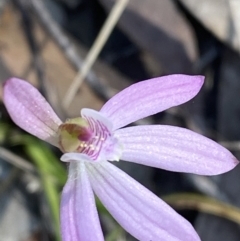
52, 173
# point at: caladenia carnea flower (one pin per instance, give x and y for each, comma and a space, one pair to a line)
92, 142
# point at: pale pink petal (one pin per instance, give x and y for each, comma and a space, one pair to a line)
79, 217
75, 157
29, 110
97, 117
104, 146
150, 97
174, 148
138, 211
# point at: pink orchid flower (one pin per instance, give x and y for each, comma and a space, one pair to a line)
92, 141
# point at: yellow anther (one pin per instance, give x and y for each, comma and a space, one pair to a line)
74, 134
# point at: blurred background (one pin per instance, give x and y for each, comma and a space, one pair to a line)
55, 45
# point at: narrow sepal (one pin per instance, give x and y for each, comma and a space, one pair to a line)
139, 212
79, 217
175, 149
29, 110
149, 97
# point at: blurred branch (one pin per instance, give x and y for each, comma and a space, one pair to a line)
231, 145
28, 69
204, 204
100, 41
8, 181
2, 5
16, 160
206, 185
68, 48
27, 23
234, 6
37, 63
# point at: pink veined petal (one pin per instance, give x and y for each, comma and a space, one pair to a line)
79, 217
29, 110
97, 116
103, 146
75, 157
150, 97
140, 212
175, 149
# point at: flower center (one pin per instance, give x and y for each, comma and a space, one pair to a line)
74, 134
90, 135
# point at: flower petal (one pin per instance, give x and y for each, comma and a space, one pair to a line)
174, 148
104, 146
29, 109
75, 157
79, 217
150, 97
139, 211
97, 117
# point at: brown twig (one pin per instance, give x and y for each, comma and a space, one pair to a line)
28, 25
204, 204
68, 48
98, 44
231, 145
15, 160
